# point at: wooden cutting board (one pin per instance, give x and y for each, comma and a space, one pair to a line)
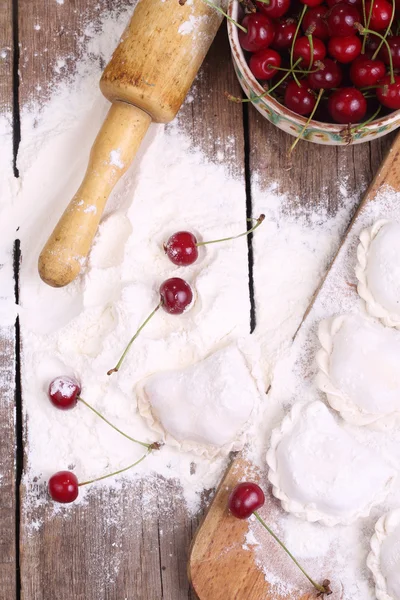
219, 567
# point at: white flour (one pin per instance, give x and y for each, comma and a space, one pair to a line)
82, 329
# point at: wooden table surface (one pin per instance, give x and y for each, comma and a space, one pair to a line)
142, 556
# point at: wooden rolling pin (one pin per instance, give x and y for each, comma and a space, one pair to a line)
146, 80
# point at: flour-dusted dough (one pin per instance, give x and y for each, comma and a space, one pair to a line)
320, 473
384, 558
204, 408
359, 370
378, 271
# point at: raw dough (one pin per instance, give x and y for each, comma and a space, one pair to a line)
384, 559
359, 370
204, 408
378, 271
320, 473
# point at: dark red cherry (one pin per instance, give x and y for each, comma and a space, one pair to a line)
389, 93
245, 498
357, 3
302, 50
260, 63
274, 9
63, 487
260, 32
341, 20
314, 21
381, 14
284, 34
312, 3
64, 392
181, 248
365, 72
394, 45
176, 295
299, 99
347, 105
344, 49
327, 78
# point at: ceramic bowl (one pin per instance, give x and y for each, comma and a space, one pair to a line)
282, 117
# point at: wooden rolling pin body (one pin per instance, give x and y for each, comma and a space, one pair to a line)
147, 80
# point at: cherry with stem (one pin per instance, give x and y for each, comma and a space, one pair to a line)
245, 500
364, 31
293, 146
375, 54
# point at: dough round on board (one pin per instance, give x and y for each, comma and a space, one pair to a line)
204, 408
384, 558
320, 473
359, 370
378, 271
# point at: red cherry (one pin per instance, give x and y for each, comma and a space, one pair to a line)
344, 49
176, 295
181, 248
389, 93
394, 45
245, 498
284, 34
274, 9
327, 78
381, 14
64, 392
260, 61
347, 105
302, 50
314, 20
311, 3
341, 20
63, 487
260, 32
365, 72
299, 99
331, 3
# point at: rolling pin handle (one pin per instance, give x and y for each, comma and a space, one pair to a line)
113, 151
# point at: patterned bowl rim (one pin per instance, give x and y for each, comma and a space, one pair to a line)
239, 58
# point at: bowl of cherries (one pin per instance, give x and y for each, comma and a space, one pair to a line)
327, 71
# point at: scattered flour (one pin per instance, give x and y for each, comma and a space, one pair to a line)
80, 330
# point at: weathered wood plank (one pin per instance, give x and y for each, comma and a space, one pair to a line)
119, 545
7, 333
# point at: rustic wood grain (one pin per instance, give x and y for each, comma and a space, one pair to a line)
7, 349
119, 545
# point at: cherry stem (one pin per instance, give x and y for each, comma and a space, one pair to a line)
125, 352
303, 12
234, 237
266, 93
365, 31
362, 125
367, 23
293, 146
375, 54
311, 42
301, 71
96, 412
116, 472
218, 9
320, 588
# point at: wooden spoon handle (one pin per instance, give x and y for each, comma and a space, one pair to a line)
112, 153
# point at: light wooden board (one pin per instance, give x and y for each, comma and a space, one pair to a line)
8, 507
220, 567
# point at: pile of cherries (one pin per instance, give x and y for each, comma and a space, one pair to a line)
335, 60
